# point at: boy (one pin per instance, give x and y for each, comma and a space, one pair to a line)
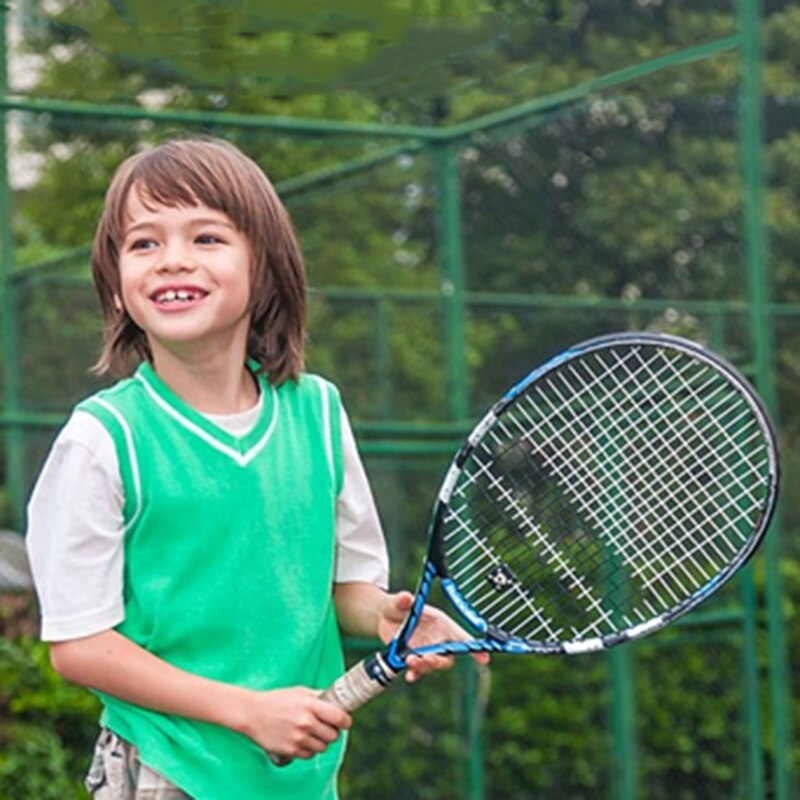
203, 529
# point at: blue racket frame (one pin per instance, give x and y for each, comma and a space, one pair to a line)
493, 641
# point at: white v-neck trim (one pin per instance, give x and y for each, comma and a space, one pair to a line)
242, 459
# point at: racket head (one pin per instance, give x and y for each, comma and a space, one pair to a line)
607, 493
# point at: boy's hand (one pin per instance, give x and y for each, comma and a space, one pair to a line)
292, 722
434, 626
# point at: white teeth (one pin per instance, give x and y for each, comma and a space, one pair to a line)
171, 295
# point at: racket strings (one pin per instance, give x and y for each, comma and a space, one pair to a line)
519, 602
646, 469
717, 420
606, 494
462, 569
513, 549
594, 605
555, 514
698, 456
510, 547
669, 502
684, 446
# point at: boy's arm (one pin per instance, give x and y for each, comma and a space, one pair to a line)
293, 722
366, 610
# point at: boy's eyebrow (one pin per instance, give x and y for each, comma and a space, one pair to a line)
221, 220
194, 223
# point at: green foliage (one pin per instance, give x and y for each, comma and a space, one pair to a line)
34, 763
46, 725
422, 762
5, 507
545, 728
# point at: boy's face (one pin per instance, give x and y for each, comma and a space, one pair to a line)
185, 277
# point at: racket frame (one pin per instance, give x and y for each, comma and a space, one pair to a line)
497, 641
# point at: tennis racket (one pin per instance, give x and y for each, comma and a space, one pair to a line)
606, 494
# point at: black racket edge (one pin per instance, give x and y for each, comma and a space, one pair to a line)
498, 640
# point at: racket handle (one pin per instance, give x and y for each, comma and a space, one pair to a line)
357, 686
360, 683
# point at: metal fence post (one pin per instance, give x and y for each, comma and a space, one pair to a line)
451, 259
9, 319
762, 338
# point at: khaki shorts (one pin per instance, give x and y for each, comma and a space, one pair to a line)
118, 774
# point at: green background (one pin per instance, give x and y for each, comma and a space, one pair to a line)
476, 185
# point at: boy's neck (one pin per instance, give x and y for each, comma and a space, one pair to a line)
221, 385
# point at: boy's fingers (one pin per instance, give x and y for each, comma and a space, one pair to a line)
400, 605
423, 665
319, 730
332, 715
322, 735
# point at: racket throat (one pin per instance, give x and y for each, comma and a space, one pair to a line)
378, 669
496, 635
390, 662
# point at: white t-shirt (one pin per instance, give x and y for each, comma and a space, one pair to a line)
75, 526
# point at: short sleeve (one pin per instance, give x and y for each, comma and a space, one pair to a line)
75, 533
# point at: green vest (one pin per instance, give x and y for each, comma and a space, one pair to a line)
229, 567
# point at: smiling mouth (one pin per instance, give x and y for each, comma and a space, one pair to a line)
168, 296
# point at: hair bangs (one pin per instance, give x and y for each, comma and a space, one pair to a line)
176, 178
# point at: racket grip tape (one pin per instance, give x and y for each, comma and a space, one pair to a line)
360, 683
356, 687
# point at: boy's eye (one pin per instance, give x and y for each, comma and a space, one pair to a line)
142, 244
208, 238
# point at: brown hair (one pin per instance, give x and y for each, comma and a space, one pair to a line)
216, 174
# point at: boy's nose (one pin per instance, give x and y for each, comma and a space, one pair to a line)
175, 257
